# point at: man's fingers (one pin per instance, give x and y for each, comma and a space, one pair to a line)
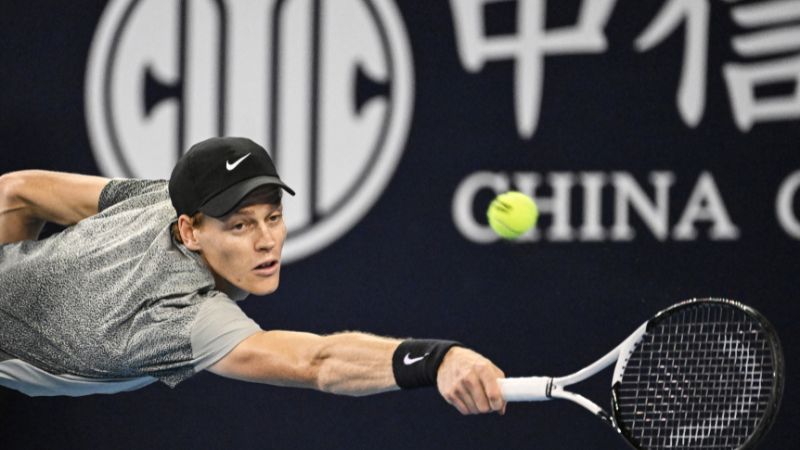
452, 397
459, 405
492, 387
465, 396
468, 381
477, 390
486, 390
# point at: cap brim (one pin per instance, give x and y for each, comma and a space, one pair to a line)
225, 201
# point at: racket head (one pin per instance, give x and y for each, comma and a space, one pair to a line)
704, 374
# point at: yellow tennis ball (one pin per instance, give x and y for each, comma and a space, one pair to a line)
512, 214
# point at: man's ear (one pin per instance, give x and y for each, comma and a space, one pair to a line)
187, 231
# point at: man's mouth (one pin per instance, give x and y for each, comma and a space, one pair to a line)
267, 267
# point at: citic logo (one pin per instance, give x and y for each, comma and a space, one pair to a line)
326, 87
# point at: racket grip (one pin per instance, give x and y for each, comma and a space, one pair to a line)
526, 389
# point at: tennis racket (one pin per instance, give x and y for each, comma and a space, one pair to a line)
701, 374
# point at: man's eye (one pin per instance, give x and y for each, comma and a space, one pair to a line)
275, 217
238, 226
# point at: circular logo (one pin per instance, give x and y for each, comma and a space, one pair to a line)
327, 89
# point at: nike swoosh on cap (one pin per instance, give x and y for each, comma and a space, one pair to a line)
231, 166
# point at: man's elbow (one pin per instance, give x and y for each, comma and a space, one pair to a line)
11, 188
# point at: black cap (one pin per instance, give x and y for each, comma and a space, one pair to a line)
216, 174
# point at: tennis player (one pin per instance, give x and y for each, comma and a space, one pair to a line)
142, 287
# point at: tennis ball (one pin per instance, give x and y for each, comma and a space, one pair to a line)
512, 214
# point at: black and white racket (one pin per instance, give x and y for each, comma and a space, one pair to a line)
701, 374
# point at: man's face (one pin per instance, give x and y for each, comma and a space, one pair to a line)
244, 248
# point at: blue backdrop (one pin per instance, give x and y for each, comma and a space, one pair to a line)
659, 137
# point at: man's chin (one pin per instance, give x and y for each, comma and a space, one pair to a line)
266, 290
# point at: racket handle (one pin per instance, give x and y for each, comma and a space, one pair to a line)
526, 389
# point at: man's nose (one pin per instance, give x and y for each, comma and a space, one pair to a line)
265, 239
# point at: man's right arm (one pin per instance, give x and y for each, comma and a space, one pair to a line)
29, 198
357, 364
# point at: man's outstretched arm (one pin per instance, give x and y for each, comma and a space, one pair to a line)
357, 364
29, 198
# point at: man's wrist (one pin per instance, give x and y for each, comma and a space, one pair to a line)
416, 362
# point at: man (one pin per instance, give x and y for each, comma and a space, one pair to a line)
142, 288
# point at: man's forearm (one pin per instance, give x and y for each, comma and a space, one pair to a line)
29, 198
17, 221
15, 226
356, 364
348, 363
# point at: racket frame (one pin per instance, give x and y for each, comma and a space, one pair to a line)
546, 388
777, 369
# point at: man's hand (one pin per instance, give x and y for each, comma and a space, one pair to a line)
468, 381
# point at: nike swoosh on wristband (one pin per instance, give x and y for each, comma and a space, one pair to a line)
231, 166
408, 360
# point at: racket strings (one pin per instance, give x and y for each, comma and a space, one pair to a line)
701, 379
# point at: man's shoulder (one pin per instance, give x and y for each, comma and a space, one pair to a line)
141, 191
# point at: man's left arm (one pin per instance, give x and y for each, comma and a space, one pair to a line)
29, 198
357, 364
